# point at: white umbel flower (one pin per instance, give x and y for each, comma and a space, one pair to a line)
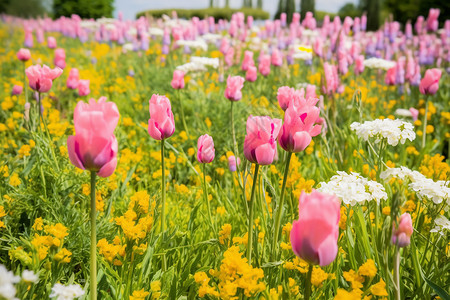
379, 63
66, 292
442, 223
206, 61
29, 276
424, 187
7, 281
394, 131
353, 188
197, 44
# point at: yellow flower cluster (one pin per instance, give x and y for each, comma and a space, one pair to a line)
435, 167
139, 295
2, 214
224, 233
234, 275
111, 252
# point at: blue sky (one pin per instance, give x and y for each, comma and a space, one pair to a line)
129, 8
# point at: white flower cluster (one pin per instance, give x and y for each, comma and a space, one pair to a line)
403, 112
69, 292
199, 64
353, 188
302, 52
211, 37
155, 31
8, 279
394, 131
441, 223
424, 187
196, 44
378, 63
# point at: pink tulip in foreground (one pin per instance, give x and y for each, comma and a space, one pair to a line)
260, 146
315, 234
430, 82
401, 236
286, 95
94, 146
234, 86
178, 79
299, 127
161, 124
23, 54
83, 87
73, 79
206, 151
41, 78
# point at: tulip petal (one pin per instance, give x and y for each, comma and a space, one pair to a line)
302, 139
108, 168
265, 154
73, 155
328, 250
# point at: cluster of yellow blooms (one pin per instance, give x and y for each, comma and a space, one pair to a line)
435, 167
357, 279
235, 275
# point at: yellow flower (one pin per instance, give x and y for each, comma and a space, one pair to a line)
368, 269
318, 276
63, 255
38, 224
24, 151
386, 211
224, 233
58, 230
355, 279
139, 295
221, 210
14, 180
379, 289
344, 295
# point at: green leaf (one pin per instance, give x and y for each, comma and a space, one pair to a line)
438, 290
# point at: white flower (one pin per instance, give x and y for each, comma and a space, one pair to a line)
155, 31
403, 112
424, 187
378, 63
441, 223
206, 61
29, 276
192, 67
211, 37
7, 281
69, 292
353, 188
197, 44
394, 131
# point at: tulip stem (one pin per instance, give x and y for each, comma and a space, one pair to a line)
280, 208
250, 217
397, 273
93, 240
425, 120
205, 196
182, 115
163, 200
307, 291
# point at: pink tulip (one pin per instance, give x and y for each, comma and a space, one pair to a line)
260, 146
285, 95
251, 74
17, 89
414, 113
390, 76
206, 152
178, 79
73, 79
23, 54
229, 56
232, 163
359, 64
234, 86
60, 58
430, 82
41, 78
401, 235
315, 234
310, 91
94, 146
161, 124
248, 60
83, 87
331, 79
264, 65
299, 127
277, 58
51, 42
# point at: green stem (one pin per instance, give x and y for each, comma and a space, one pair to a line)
235, 150
182, 114
307, 291
425, 120
163, 199
93, 240
397, 273
250, 217
280, 208
205, 196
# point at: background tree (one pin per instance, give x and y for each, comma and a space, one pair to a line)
83, 8
307, 5
372, 8
405, 10
349, 9
259, 4
25, 8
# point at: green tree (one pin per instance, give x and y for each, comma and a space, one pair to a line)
307, 5
372, 8
259, 4
405, 10
24, 8
349, 9
83, 8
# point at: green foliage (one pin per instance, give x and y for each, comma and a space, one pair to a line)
307, 5
24, 8
217, 13
84, 8
372, 7
403, 11
349, 9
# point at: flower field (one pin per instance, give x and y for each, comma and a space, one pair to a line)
185, 159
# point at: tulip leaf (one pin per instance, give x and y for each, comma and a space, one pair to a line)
437, 289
